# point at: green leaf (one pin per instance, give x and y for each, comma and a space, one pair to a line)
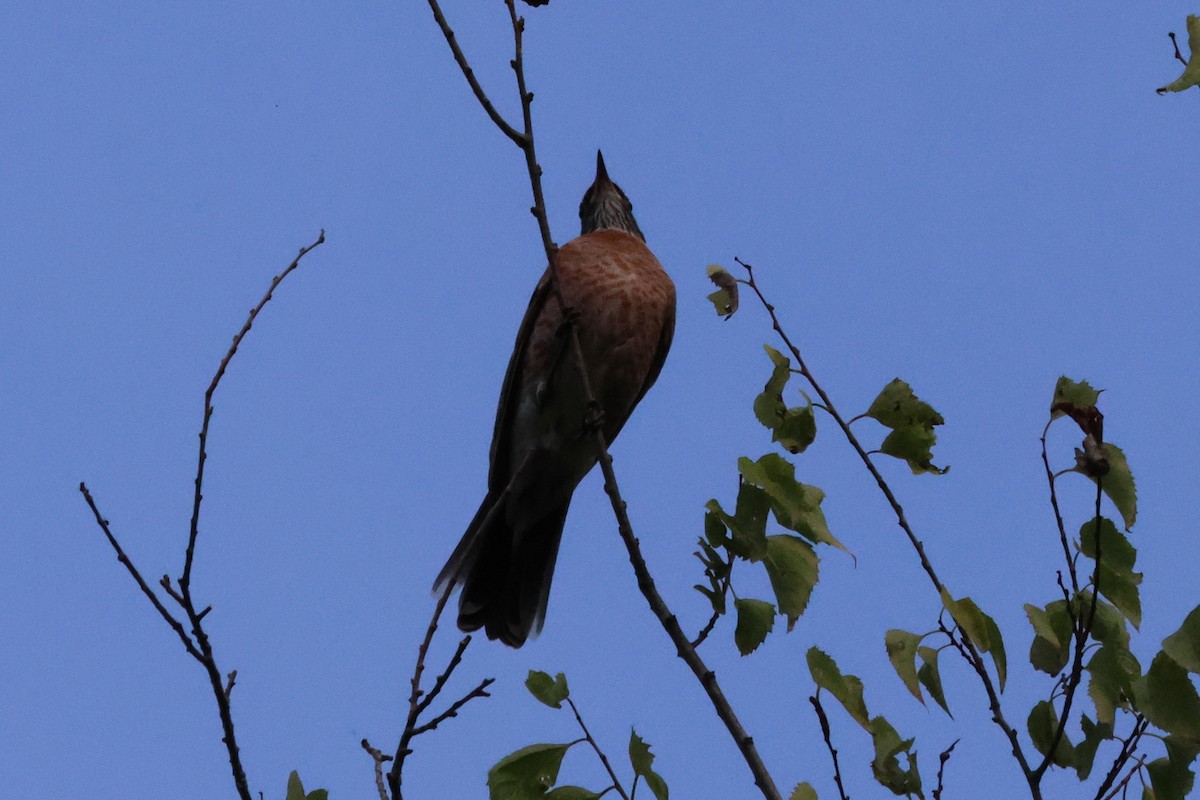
931, 678
571, 793
295, 789
1117, 484
1118, 582
847, 689
716, 569
1113, 671
725, 298
902, 652
715, 532
1184, 644
1191, 71
755, 618
796, 506
526, 774
1068, 394
797, 429
747, 526
551, 691
792, 567
641, 758
1166, 696
803, 791
886, 766
1051, 647
981, 629
1171, 777
768, 405
1109, 625
1085, 751
1043, 722
912, 421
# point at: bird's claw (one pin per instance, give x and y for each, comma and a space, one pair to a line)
593, 417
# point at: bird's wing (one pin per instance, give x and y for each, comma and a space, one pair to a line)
660, 355
498, 476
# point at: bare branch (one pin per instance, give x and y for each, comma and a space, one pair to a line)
833, 753
942, 759
379, 758
417, 705
198, 644
175, 624
452, 711
587, 735
185, 581
469, 74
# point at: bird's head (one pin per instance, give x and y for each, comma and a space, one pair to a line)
604, 205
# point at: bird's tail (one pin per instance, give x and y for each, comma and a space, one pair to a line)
504, 573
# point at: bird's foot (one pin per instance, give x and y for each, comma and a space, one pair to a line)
570, 318
593, 418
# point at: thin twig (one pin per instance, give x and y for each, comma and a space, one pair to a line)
587, 735
186, 579
1083, 631
417, 704
452, 711
1140, 724
833, 753
379, 758
1178, 54
175, 624
469, 74
198, 644
712, 621
1058, 518
414, 707
525, 141
1120, 787
968, 649
942, 759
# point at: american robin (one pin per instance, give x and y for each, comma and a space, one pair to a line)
623, 305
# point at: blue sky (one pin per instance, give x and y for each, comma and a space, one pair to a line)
974, 198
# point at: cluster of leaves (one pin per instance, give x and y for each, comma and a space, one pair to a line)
900, 778
1082, 640
532, 771
768, 489
1085, 635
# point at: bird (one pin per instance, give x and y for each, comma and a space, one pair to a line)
622, 304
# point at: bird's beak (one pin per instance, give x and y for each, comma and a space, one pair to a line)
601, 172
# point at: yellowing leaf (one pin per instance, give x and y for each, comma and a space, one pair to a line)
1191, 72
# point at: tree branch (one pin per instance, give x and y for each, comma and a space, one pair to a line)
587, 735
833, 753
198, 644
379, 758
658, 606
417, 705
967, 647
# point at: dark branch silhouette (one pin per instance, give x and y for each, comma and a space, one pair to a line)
196, 642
